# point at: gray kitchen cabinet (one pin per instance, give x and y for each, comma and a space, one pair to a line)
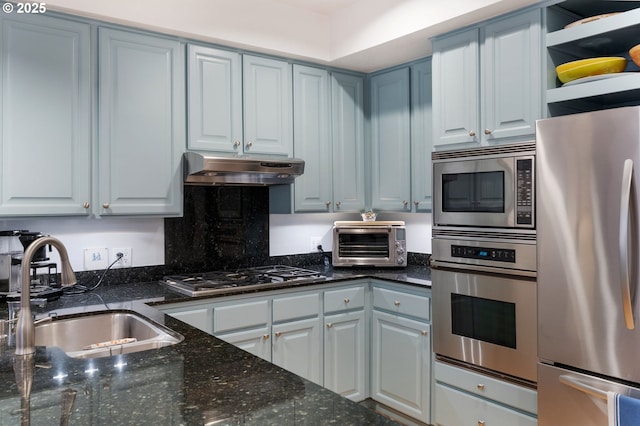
390, 141
45, 122
141, 132
421, 135
329, 136
245, 324
612, 36
487, 82
467, 397
267, 103
221, 85
345, 342
401, 350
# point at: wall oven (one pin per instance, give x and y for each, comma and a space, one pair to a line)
484, 300
489, 186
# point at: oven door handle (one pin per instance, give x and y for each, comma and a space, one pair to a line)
582, 387
623, 242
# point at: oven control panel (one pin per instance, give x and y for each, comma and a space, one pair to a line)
495, 254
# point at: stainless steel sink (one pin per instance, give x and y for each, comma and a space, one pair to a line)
105, 334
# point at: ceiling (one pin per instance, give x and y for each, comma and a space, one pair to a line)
360, 35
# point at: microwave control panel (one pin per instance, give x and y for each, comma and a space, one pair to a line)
524, 191
495, 254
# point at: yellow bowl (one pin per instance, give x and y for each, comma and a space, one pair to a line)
588, 67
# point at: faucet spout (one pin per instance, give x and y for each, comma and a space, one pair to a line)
25, 329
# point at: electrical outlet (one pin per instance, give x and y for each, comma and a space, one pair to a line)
315, 242
125, 261
96, 258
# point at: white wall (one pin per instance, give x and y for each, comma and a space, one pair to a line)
292, 233
145, 236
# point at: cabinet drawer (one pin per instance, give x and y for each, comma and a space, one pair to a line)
292, 307
240, 315
401, 303
343, 299
487, 387
454, 407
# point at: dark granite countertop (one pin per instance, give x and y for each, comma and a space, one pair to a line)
201, 380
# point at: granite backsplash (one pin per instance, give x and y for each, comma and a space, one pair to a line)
221, 228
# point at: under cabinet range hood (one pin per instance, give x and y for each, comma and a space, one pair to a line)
246, 170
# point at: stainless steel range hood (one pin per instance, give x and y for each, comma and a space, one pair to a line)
247, 170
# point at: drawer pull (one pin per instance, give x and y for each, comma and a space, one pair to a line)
397, 303
329, 325
480, 422
480, 386
424, 332
278, 333
265, 336
347, 300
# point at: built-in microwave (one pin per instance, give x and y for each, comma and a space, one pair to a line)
490, 186
379, 244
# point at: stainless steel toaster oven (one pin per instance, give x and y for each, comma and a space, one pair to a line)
379, 244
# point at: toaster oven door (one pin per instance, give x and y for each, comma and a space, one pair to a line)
367, 247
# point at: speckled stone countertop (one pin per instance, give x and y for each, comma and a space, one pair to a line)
201, 380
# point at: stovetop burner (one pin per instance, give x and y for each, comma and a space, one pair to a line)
199, 284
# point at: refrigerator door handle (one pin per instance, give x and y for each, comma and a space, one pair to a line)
582, 387
623, 240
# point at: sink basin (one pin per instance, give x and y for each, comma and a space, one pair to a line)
105, 334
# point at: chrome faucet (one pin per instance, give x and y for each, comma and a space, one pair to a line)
25, 329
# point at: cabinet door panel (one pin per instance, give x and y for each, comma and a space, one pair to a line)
344, 359
421, 135
401, 373
199, 318
267, 105
511, 75
142, 129
215, 99
312, 141
297, 348
455, 90
347, 124
45, 116
390, 141
256, 342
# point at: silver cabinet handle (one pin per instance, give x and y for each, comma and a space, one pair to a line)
329, 325
480, 386
347, 300
480, 422
236, 144
416, 203
327, 203
405, 202
105, 205
487, 131
278, 333
623, 241
424, 332
582, 387
397, 303
338, 204
248, 145
265, 336
472, 133
86, 205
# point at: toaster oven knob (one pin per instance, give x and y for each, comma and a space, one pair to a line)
400, 260
400, 250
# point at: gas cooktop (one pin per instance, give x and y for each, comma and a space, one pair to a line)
202, 284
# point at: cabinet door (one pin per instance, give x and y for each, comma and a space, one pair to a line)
344, 354
511, 77
45, 141
141, 124
421, 135
455, 89
215, 100
401, 364
297, 348
267, 106
256, 341
390, 141
312, 142
199, 318
347, 130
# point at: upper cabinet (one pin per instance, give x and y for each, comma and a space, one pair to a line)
391, 141
45, 122
487, 82
329, 136
141, 117
222, 84
613, 35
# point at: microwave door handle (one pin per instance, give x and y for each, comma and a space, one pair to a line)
623, 241
582, 387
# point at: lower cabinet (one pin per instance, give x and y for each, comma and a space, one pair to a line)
465, 397
297, 348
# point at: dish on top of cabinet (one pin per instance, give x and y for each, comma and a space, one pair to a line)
590, 19
589, 67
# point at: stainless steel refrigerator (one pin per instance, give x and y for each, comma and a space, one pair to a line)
588, 207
